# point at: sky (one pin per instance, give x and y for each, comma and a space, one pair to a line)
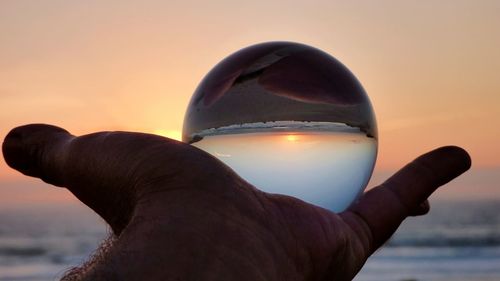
430, 69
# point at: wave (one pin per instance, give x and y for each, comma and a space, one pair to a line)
23, 251
489, 241
279, 126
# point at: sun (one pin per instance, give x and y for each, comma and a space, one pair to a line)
292, 138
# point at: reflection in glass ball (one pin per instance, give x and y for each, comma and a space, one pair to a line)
289, 119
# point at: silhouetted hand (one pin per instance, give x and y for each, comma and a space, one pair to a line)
180, 214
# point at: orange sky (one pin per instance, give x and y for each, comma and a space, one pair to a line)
430, 68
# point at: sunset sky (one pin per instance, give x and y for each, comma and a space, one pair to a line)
431, 69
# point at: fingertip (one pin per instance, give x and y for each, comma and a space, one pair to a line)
14, 152
460, 156
23, 145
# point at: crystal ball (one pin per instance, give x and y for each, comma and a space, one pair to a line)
289, 119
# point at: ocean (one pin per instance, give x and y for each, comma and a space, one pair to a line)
458, 241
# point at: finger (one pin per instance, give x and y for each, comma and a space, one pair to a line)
104, 170
24, 149
381, 210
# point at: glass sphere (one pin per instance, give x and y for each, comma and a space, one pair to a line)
289, 119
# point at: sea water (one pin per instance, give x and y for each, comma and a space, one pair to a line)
456, 241
326, 164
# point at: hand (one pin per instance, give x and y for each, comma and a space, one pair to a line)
179, 214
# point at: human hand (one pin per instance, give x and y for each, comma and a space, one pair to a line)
177, 213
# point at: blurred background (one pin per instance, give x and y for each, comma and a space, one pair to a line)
430, 68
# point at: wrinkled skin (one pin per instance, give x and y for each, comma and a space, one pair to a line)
177, 213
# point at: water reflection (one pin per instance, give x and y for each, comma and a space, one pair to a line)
326, 168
